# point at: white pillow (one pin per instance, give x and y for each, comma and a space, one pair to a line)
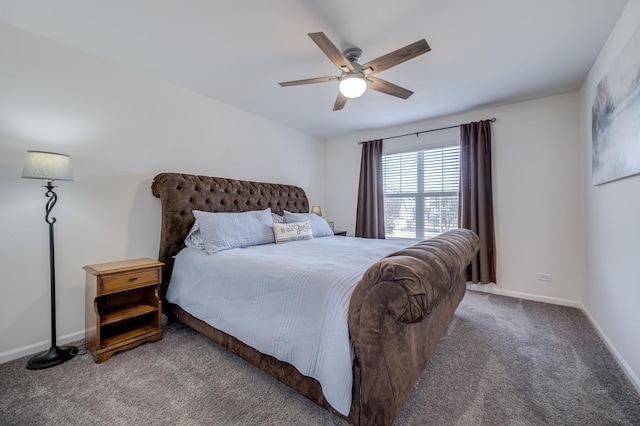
295, 231
319, 226
194, 238
224, 231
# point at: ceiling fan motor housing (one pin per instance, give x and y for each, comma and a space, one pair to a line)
353, 83
353, 54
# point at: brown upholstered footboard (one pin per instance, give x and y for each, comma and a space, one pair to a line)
397, 315
398, 311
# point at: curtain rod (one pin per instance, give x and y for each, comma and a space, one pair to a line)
493, 120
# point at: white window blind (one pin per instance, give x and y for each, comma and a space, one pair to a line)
421, 192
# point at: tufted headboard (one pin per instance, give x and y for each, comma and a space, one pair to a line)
181, 193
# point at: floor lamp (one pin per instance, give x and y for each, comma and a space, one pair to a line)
50, 166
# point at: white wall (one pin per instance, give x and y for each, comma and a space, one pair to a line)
120, 128
612, 225
536, 192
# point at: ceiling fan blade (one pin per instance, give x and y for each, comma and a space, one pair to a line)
397, 57
310, 81
331, 51
383, 86
341, 101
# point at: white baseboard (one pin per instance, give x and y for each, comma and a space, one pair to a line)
39, 347
493, 289
635, 381
484, 288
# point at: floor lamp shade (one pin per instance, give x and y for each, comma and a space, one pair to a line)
47, 166
50, 166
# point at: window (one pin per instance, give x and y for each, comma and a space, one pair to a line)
421, 192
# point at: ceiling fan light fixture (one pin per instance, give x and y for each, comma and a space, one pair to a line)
352, 85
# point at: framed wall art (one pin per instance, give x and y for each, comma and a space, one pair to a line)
615, 118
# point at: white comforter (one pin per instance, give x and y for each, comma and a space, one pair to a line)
289, 300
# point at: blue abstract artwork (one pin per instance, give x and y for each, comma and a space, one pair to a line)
615, 118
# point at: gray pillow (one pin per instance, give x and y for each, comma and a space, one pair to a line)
194, 238
319, 226
277, 218
224, 231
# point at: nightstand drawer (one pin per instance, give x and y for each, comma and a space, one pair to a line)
130, 280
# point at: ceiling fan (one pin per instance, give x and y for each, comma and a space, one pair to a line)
356, 78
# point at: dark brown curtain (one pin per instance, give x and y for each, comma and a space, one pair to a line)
476, 198
370, 212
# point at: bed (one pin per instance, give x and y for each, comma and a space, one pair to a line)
395, 314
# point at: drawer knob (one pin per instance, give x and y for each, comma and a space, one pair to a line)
134, 279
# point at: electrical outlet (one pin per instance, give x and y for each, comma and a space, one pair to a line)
544, 277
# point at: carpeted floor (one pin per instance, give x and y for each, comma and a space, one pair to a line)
503, 361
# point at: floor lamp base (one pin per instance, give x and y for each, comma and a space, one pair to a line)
54, 356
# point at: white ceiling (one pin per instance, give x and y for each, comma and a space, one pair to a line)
484, 52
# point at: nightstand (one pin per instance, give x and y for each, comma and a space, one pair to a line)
341, 233
123, 308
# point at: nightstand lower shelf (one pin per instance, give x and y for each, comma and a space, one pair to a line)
118, 338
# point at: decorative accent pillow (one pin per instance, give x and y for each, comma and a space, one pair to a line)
277, 218
295, 231
194, 238
224, 231
319, 226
